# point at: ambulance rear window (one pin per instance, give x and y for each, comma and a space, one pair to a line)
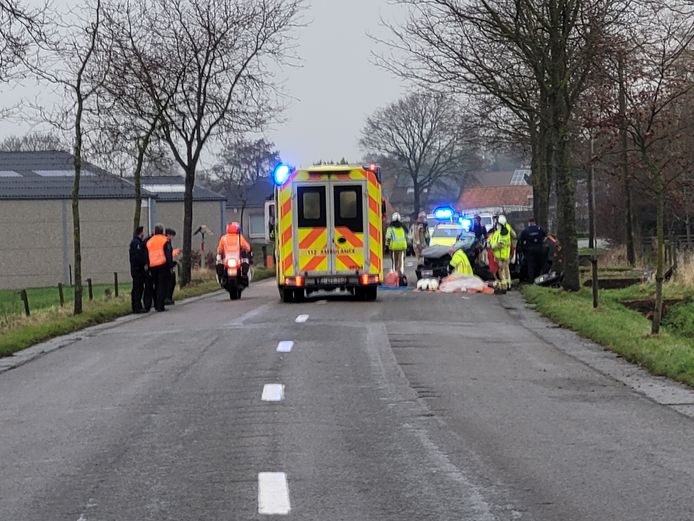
311, 206
348, 207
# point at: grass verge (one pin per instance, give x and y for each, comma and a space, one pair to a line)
18, 332
622, 330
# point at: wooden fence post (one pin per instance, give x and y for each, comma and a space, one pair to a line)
91, 291
25, 299
61, 294
115, 282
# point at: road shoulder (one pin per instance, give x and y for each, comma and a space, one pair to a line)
658, 389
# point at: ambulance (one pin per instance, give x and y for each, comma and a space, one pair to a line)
327, 225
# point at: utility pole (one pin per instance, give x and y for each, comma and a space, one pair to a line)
592, 235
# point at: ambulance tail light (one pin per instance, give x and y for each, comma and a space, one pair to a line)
299, 281
232, 263
367, 280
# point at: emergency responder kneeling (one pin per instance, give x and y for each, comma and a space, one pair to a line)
459, 261
396, 241
232, 245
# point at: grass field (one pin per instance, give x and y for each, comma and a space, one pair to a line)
49, 320
41, 298
626, 331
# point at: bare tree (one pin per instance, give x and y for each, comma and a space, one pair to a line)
32, 142
203, 65
241, 164
20, 28
65, 60
531, 55
426, 134
656, 111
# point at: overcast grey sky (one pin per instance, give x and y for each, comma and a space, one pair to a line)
331, 93
338, 86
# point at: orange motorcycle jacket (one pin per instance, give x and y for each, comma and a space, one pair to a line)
155, 250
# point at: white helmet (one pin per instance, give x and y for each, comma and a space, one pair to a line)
395, 217
502, 220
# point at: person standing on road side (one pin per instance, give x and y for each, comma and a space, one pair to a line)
477, 228
160, 256
420, 239
396, 241
171, 285
532, 243
501, 246
138, 269
493, 266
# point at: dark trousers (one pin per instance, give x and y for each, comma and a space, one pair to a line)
148, 297
138, 290
160, 280
535, 259
171, 285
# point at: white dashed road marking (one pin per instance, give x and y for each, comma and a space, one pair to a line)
273, 493
273, 393
285, 346
301, 318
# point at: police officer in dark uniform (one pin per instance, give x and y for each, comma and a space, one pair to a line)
138, 265
532, 242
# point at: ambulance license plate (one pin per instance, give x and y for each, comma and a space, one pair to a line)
332, 280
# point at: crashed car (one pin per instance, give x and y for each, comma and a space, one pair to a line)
437, 258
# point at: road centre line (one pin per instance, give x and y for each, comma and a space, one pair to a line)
273, 393
301, 319
273, 493
285, 346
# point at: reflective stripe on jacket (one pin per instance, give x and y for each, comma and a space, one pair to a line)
155, 250
501, 245
460, 263
397, 238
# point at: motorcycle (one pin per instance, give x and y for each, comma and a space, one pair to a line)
232, 274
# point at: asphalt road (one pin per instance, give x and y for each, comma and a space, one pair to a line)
414, 407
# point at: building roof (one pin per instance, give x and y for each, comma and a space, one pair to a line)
50, 174
508, 198
252, 196
170, 188
500, 178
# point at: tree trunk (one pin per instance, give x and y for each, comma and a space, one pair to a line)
142, 145
76, 232
566, 196
416, 196
624, 153
660, 256
540, 181
186, 260
592, 235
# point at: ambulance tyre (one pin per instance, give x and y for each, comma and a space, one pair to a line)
299, 295
369, 294
286, 294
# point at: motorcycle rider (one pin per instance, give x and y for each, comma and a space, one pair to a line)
396, 241
421, 237
159, 254
233, 244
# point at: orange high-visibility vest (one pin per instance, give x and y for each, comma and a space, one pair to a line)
155, 249
231, 244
